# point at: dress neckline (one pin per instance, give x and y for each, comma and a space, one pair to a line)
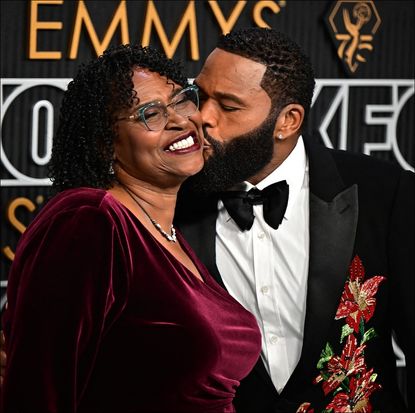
203, 273
208, 283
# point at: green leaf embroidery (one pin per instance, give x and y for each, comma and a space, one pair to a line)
368, 335
325, 356
362, 326
346, 331
373, 377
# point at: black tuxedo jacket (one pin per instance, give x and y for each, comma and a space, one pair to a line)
358, 206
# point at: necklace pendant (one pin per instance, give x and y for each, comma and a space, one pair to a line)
172, 237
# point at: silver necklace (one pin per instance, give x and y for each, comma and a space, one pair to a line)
170, 237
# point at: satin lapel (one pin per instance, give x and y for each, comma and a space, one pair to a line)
332, 235
199, 229
333, 222
201, 236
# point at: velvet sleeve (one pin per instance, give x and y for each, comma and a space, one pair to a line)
401, 254
61, 298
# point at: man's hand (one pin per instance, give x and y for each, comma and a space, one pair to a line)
2, 357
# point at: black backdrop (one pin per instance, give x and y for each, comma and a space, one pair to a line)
366, 105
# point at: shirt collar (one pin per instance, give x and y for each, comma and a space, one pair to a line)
293, 170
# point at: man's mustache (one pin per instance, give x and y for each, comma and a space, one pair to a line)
208, 141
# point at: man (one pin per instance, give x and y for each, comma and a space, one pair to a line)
331, 277
301, 273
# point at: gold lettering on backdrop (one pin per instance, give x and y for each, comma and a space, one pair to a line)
227, 25
11, 217
35, 25
188, 19
257, 12
187, 22
82, 16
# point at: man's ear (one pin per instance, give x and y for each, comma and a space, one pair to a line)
289, 121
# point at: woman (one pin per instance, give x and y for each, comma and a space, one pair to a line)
108, 308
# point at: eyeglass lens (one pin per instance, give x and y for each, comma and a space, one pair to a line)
184, 103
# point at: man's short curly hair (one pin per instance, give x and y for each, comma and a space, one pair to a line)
83, 147
289, 77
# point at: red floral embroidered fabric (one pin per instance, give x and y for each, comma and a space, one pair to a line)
347, 376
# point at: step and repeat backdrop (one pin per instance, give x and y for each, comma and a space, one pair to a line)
362, 52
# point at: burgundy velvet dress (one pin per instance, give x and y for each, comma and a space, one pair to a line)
102, 318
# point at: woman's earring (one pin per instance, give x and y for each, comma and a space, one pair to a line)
111, 168
280, 136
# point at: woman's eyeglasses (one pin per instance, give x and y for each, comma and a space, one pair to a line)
154, 115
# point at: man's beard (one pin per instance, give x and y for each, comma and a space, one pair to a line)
236, 161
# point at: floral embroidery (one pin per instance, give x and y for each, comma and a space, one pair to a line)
357, 398
357, 301
347, 376
350, 363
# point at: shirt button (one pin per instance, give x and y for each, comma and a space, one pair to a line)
264, 289
261, 235
273, 339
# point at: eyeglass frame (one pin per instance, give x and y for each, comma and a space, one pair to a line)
139, 113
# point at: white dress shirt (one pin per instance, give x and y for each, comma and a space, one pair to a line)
266, 270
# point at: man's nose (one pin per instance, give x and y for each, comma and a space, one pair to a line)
209, 113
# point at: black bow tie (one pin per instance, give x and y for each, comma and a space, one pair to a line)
274, 199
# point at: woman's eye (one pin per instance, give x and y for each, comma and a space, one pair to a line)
180, 99
183, 101
151, 114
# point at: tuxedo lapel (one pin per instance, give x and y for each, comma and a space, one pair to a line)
332, 235
333, 222
198, 226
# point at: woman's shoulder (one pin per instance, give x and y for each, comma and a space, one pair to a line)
77, 198
87, 205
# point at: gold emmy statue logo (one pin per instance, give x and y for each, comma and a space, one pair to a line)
354, 24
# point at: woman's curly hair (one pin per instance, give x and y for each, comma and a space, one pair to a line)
289, 77
83, 147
